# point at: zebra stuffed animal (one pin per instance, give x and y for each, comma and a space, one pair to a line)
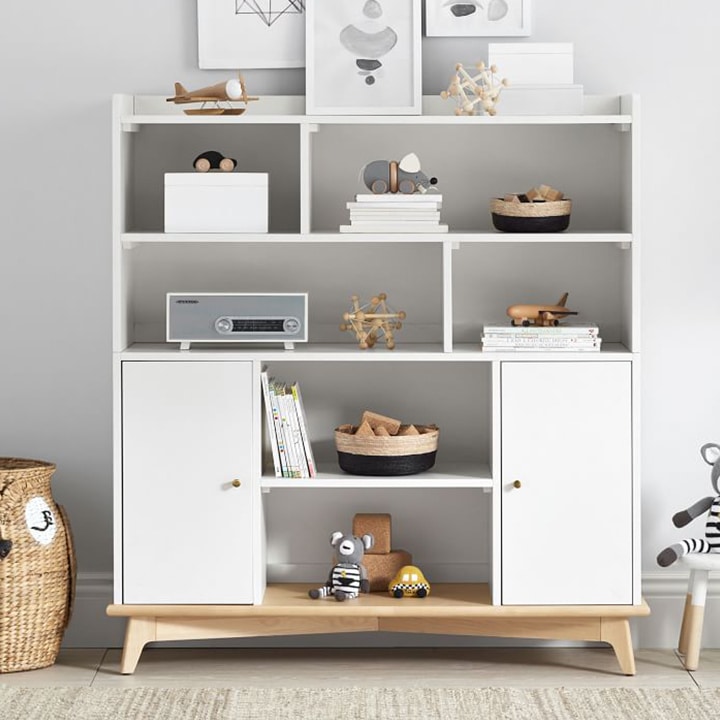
711, 543
348, 577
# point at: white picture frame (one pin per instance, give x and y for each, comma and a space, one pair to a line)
363, 57
478, 18
242, 34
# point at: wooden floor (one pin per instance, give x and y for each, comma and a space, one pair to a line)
366, 667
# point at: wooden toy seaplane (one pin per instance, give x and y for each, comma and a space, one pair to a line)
542, 315
212, 96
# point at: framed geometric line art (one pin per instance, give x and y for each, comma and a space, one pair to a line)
477, 18
240, 34
363, 57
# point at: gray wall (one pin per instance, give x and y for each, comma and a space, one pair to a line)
62, 61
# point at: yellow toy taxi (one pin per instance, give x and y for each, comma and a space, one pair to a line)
409, 582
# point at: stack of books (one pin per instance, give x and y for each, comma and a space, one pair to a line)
570, 336
287, 429
416, 213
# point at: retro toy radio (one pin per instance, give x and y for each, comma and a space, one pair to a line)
236, 317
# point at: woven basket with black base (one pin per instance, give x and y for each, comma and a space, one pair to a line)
525, 217
37, 567
386, 454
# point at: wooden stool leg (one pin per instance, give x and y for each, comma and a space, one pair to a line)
683, 640
138, 633
695, 619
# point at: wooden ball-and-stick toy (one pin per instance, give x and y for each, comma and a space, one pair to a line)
472, 91
372, 321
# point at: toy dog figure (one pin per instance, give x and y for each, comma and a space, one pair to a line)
711, 543
348, 577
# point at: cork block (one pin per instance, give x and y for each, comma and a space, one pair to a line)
381, 569
379, 525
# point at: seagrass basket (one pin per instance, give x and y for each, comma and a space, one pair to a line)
386, 454
37, 566
548, 216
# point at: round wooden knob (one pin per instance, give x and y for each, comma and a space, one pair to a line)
236, 483
517, 484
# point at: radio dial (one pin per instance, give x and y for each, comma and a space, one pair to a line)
291, 325
224, 325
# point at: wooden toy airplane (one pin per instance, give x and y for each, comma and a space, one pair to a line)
542, 315
232, 90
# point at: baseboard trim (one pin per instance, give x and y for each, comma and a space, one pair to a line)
664, 591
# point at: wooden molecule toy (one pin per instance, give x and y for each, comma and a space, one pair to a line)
372, 321
473, 92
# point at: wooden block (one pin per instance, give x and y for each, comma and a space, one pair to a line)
364, 430
554, 195
533, 194
381, 430
408, 430
379, 525
550, 193
381, 569
376, 421
512, 197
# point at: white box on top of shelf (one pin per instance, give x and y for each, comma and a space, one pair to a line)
533, 63
541, 100
216, 202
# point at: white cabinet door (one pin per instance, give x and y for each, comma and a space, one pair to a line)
567, 531
187, 435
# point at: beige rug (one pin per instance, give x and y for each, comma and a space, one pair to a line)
357, 704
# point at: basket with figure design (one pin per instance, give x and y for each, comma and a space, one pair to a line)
37, 566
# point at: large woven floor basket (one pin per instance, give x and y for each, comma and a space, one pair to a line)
37, 567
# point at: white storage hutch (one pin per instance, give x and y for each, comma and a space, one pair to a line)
527, 526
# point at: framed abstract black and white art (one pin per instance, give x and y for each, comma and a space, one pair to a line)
477, 18
363, 57
240, 34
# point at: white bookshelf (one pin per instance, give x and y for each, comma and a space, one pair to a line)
450, 284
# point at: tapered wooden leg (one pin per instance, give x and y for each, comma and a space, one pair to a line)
696, 614
683, 640
138, 633
616, 631
694, 623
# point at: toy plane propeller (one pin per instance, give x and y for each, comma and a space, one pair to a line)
542, 315
232, 90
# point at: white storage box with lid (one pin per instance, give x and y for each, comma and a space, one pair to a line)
541, 100
216, 202
533, 63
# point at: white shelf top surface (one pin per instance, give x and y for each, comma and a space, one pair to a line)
154, 109
442, 475
132, 239
349, 352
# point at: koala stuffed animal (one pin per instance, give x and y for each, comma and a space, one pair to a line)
711, 543
348, 577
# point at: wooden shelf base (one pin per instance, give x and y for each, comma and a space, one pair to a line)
451, 609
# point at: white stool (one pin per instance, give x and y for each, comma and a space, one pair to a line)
692, 621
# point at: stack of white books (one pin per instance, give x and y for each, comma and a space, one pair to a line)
567, 337
287, 429
416, 213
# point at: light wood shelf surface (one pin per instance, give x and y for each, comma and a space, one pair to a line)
445, 600
453, 609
